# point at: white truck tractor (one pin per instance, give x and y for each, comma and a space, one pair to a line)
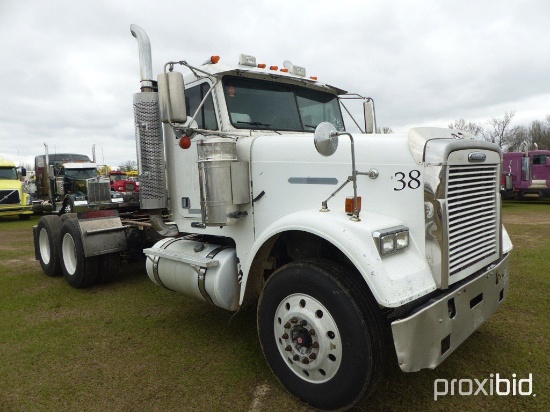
353, 247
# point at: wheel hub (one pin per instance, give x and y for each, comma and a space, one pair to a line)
308, 338
301, 336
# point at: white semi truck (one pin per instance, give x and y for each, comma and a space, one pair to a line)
352, 246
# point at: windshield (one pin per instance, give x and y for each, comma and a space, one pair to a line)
79, 174
261, 104
9, 173
118, 177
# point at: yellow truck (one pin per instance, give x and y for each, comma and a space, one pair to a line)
14, 201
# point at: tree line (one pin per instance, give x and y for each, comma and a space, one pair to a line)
510, 139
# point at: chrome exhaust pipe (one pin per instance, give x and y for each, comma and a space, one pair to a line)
145, 59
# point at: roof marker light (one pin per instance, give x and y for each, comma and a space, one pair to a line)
247, 60
284, 70
274, 68
261, 66
313, 77
214, 59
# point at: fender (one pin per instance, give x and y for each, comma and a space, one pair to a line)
393, 280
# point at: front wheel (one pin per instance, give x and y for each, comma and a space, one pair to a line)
79, 270
321, 334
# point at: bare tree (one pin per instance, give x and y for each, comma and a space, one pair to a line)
470, 127
128, 166
515, 139
540, 134
499, 131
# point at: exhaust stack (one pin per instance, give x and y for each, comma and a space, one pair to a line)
145, 59
149, 143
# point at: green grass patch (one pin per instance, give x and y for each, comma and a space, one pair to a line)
131, 345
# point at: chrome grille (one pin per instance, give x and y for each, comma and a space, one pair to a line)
472, 204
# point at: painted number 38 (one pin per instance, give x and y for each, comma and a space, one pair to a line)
412, 180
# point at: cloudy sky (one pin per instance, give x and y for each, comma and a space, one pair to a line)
68, 68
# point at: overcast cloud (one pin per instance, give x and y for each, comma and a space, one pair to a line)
68, 69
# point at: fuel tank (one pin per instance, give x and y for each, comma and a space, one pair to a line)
202, 270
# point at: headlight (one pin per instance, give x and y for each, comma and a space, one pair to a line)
391, 240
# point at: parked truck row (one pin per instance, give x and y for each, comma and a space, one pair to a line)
255, 194
67, 182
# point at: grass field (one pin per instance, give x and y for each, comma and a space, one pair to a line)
132, 346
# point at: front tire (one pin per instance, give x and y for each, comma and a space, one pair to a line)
48, 241
80, 271
321, 334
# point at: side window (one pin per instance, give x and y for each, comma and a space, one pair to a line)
206, 117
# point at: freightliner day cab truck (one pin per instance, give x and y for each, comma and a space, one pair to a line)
351, 246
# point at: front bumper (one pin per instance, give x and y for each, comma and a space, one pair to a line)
425, 338
16, 211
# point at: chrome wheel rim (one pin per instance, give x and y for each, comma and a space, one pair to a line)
308, 338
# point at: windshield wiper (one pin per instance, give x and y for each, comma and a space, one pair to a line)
255, 124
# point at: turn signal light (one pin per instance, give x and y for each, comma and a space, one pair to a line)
349, 204
214, 59
274, 68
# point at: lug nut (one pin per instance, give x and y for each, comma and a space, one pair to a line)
296, 358
312, 356
315, 345
287, 325
305, 361
285, 336
288, 348
303, 323
311, 332
293, 320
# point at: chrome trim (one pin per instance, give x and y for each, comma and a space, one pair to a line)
476, 157
201, 273
156, 260
312, 180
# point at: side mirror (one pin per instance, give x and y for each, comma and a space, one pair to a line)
172, 97
370, 117
326, 139
24, 171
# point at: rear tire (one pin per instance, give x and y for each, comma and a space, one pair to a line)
48, 242
321, 333
80, 271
